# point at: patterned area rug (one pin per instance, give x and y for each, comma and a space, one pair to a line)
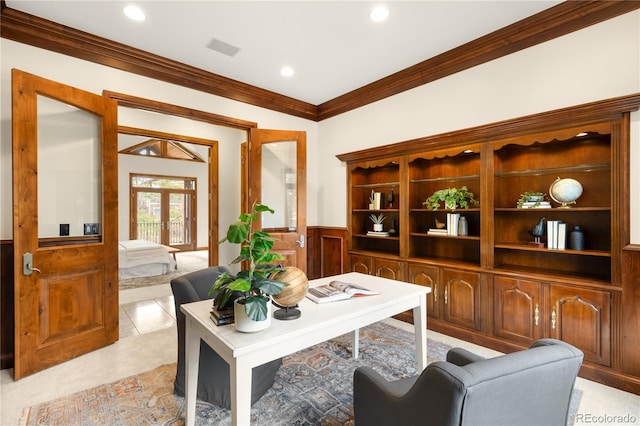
313, 387
187, 262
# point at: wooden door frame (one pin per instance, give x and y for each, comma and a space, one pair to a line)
129, 101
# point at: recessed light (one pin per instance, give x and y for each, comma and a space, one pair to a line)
379, 13
134, 12
287, 71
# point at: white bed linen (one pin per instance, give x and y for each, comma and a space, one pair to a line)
140, 258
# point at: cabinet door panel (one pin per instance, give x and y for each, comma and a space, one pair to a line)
386, 268
517, 309
462, 298
428, 277
583, 318
362, 264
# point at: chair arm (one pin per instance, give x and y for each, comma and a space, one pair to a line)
462, 357
375, 400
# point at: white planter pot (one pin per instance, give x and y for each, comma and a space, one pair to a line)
377, 227
246, 324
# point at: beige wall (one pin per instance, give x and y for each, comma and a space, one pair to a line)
96, 78
598, 62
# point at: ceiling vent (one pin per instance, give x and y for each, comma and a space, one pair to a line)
222, 47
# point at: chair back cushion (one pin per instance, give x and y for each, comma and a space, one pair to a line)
522, 388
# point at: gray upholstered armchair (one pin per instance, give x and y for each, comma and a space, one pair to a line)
530, 387
213, 373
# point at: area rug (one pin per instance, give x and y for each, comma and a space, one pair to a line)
313, 387
186, 262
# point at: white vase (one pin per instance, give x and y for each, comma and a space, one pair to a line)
246, 324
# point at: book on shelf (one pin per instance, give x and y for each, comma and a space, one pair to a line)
378, 233
536, 205
453, 219
437, 231
556, 235
337, 290
377, 200
562, 236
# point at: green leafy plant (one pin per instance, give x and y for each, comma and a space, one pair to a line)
528, 196
377, 219
452, 198
253, 283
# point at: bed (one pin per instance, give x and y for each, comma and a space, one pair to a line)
141, 258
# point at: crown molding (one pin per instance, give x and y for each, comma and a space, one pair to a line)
549, 24
554, 22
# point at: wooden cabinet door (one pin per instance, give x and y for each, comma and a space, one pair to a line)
427, 276
461, 298
385, 268
362, 264
517, 309
582, 318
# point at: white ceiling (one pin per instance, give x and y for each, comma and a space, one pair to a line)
332, 45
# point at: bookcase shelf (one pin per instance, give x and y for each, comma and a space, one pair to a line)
486, 284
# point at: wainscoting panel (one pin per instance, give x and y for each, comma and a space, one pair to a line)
326, 252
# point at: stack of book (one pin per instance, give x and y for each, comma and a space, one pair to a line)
222, 317
556, 235
536, 205
378, 233
451, 229
438, 231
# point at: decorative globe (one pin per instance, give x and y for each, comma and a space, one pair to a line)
565, 191
295, 290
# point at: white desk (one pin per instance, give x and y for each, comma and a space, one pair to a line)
319, 323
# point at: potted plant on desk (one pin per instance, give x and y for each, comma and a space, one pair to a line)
252, 307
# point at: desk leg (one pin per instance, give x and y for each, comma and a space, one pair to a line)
240, 377
420, 326
355, 344
192, 362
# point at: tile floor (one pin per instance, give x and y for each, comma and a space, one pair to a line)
148, 339
146, 316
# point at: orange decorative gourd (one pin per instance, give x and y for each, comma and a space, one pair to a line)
296, 288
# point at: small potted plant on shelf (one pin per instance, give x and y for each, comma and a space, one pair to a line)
377, 221
453, 198
530, 199
253, 284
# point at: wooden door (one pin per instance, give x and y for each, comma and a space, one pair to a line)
518, 313
65, 246
582, 318
278, 179
362, 264
427, 276
461, 298
388, 268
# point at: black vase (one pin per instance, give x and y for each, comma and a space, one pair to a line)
576, 239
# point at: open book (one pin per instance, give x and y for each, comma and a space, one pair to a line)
337, 290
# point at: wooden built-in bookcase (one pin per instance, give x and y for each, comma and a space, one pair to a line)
491, 286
